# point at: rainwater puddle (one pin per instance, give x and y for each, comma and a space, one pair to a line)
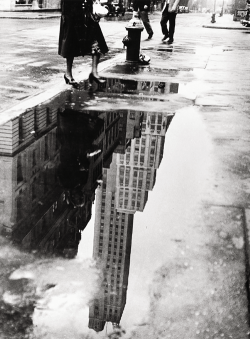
171, 49
89, 198
176, 49
143, 90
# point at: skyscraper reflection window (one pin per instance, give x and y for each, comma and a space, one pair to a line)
46, 148
33, 189
19, 169
34, 158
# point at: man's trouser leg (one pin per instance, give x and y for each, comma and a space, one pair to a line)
145, 20
172, 17
164, 20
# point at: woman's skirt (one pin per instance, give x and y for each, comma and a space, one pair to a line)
78, 34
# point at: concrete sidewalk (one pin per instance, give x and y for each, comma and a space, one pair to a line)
29, 15
50, 15
225, 22
201, 289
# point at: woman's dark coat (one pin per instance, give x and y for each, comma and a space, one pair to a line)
78, 31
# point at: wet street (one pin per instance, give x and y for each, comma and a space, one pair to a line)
125, 210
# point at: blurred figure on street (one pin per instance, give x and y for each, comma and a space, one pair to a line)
248, 10
143, 7
169, 13
80, 34
151, 7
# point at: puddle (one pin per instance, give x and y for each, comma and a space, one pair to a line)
136, 90
125, 86
171, 49
176, 49
75, 172
79, 158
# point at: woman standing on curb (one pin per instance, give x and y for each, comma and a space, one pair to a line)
80, 34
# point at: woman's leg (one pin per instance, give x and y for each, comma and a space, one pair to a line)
68, 77
95, 60
69, 64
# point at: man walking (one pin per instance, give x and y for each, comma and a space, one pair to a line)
169, 12
143, 7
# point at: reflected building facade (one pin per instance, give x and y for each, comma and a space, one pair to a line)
141, 88
48, 180
41, 179
124, 191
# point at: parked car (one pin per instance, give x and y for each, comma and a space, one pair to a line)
183, 9
115, 8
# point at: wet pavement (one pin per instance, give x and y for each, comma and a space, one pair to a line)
29, 15
125, 209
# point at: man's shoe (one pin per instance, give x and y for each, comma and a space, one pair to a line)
165, 37
170, 41
150, 36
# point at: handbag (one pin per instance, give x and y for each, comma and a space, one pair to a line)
99, 10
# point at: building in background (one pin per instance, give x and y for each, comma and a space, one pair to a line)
29, 5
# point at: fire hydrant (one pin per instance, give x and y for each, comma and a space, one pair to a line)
133, 40
213, 18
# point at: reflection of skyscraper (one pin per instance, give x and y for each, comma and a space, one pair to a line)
129, 128
124, 190
113, 236
137, 169
112, 246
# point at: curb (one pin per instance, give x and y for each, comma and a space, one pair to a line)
227, 27
59, 86
246, 213
30, 17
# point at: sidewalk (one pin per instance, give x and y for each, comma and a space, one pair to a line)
199, 246
225, 22
29, 15
51, 15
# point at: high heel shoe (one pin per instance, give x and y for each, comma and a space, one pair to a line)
70, 81
97, 79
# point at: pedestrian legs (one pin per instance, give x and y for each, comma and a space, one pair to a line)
172, 17
168, 18
93, 76
68, 77
69, 64
164, 21
146, 23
